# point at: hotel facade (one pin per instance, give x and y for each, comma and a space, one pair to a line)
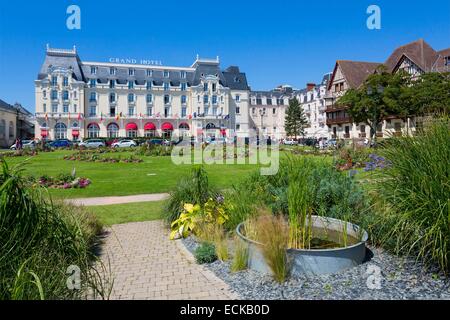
78, 100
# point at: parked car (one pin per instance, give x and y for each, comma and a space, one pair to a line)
30, 144
124, 144
92, 143
331, 143
61, 143
155, 141
290, 142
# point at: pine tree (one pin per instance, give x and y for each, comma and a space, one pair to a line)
295, 121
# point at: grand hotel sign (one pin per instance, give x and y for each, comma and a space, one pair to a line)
136, 61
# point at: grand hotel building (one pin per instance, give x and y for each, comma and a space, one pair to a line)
78, 99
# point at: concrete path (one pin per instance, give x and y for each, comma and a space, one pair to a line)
145, 264
102, 201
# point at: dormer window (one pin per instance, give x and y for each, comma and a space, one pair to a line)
166, 74
54, 81
205, 87
112, 71
130, 84
183, 86
93, 70
65, 81
237, 80
149, 73
214, 87
166, 86
92, 83
183, 74
112, 84
149, 85
131, 72
447, 61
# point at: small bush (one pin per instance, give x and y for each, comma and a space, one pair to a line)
240, 256
205, 253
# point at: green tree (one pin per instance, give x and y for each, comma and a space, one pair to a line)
430, 94
295, 121
369, 102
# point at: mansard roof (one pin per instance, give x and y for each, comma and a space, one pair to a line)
68, 59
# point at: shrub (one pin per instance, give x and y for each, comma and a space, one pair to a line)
414, 192
194, 189
240, 256
39, 240
205, 253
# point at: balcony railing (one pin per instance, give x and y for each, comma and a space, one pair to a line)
338, 120
346, 135
362, 135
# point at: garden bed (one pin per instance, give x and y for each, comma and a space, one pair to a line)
400, 279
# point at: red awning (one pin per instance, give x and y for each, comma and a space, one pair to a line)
44, 133
131, 126
223, 132
167, 126
75, 132
149, 126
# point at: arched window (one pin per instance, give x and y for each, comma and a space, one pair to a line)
149, 130
93, 130
2, 128
132, 130
60, 131
113, 130
184, 129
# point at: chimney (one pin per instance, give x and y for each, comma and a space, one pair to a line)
310, 86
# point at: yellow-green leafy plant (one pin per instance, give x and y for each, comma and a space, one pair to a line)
187, 221
215, 212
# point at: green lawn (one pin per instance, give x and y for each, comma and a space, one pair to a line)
130, 212
154, 175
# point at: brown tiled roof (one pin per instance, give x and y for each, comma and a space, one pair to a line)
440, 66
419, 52
355, 72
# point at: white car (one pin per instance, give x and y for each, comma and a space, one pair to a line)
30, 144
290, 142
124, 144
92, 143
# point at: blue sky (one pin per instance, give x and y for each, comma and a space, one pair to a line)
274, 42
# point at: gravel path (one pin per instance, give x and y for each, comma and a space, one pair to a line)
101, 201
399, 279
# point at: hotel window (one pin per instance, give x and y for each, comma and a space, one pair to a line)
93, 130
149, 111
166, 86
280, 102
183, 86
131, 111
93, 97
214, 87
54, 81
113, 130
183, 74
44, 94
65, 81
183, 112
54, 95
92, 111
75, 108
93, 70
112, 97
166, 74
130, 84
130, 97
238, 110
92, 83
66, 108
447, 61
237, 98
214, 99
74, 94
258, 101
238, 126
149, 73
65, 95
131, 72
269, 101
112, 71
44, 107
205, 99
274, 110
149, 98
54, 108
166, 99
183, 99
214, 110
112, 111
132, 133
206, 110
112, 84
60, 131
149, 85
166, 112
198, 98
205, 87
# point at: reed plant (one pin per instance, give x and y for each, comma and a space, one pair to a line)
240, 256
